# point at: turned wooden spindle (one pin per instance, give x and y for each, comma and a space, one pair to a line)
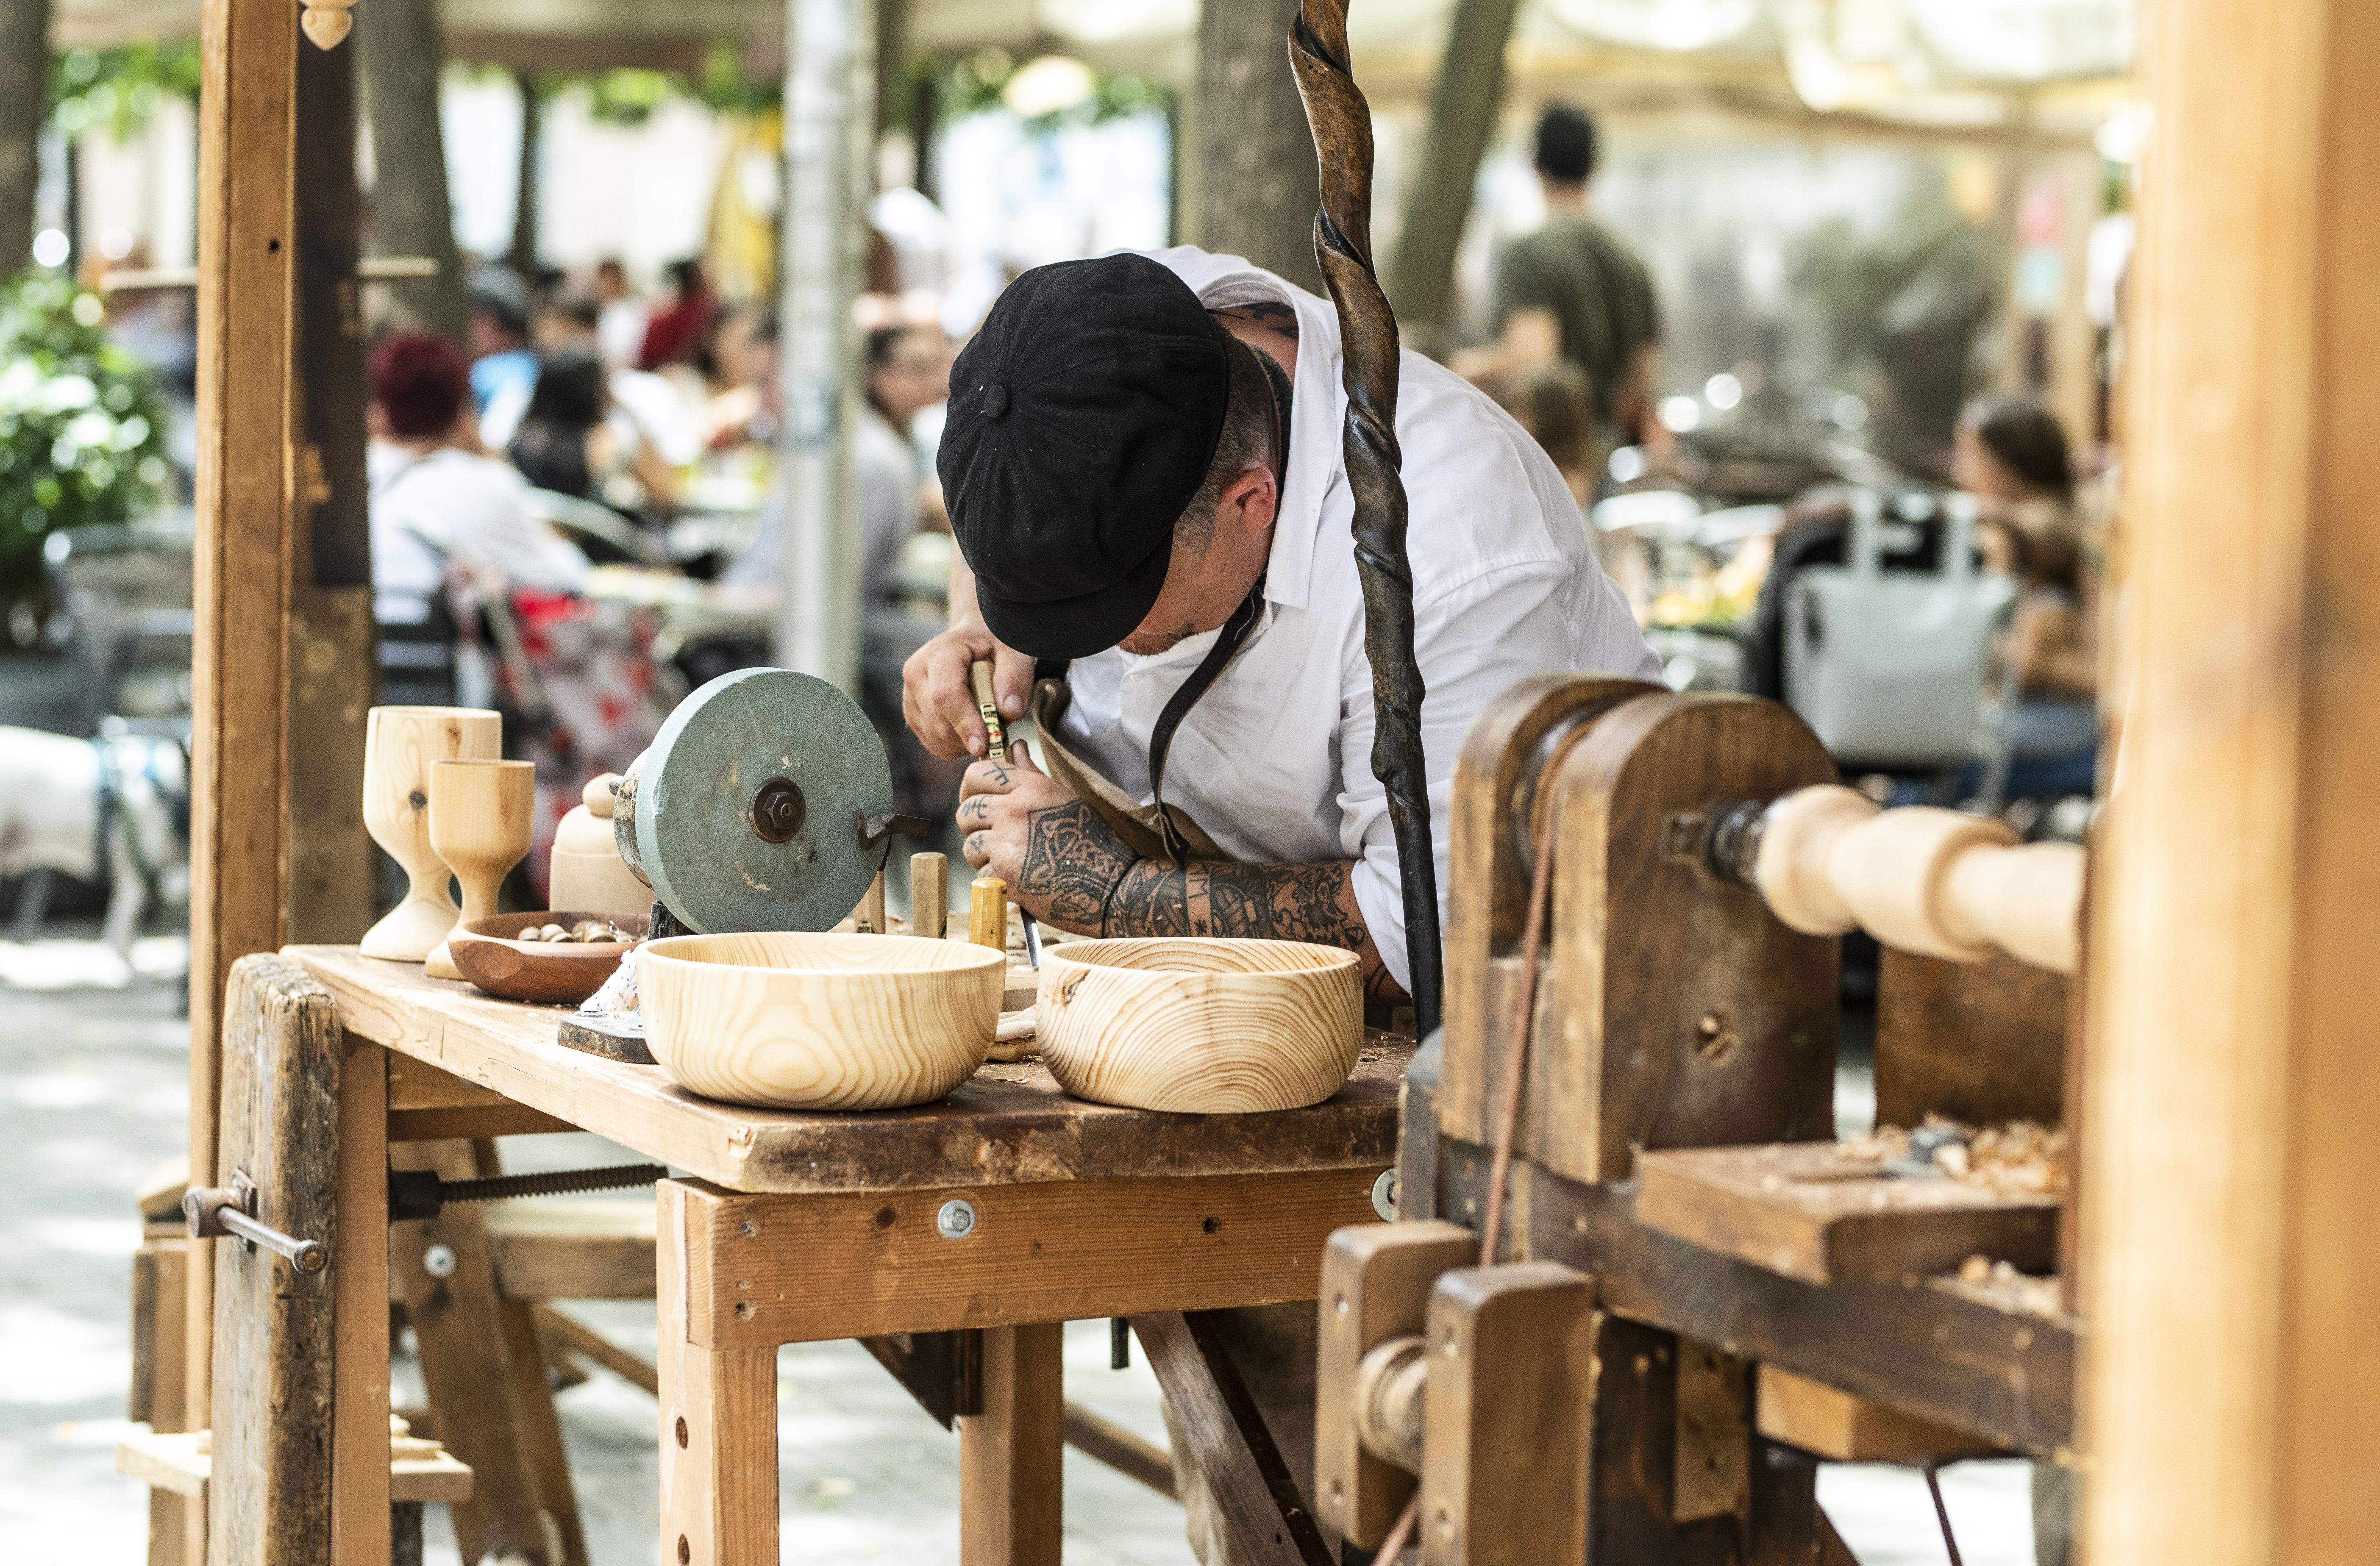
1941, 883
988, 913
483, 815
930, 895
400, 746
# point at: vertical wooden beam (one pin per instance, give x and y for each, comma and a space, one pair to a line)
1012, 1493
2232, 1081
239, 769
359, 1506
719, 1425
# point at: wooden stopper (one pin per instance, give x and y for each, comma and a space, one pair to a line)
988, 914
995, 732
868, 918
930, 895
597, 794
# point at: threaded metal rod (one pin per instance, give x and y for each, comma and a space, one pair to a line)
554, 1182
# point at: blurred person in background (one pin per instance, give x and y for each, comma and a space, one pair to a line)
567, 442
672, 334
1572, 293
646, 404
504, 366
737, 366
436, 499
2011, 456
623, 316
1557, 407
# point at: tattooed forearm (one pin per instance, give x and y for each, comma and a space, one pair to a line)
1073, 863
1264, 901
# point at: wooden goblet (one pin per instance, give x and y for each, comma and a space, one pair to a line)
400, 744
481, 817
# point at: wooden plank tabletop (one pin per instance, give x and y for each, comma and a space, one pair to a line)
1009, 1124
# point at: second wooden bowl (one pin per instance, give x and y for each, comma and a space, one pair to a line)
1206, 1026
488, 953
819, 1022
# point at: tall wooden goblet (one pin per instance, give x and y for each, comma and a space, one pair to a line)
481, 817
400, 743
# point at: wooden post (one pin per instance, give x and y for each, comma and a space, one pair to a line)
2231, 1081
1011, 1474
239, 762
719, 1425
360, 1504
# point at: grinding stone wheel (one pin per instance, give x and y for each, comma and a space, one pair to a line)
748, 801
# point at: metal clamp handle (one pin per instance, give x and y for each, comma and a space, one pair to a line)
216, 1211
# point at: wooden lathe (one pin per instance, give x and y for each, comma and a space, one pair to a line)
1689, 1291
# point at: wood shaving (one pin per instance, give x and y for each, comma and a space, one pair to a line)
2020, 1158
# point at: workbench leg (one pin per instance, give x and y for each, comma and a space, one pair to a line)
1012, 1479
719, 1425
359, 1505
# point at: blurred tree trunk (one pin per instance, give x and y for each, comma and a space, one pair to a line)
524, 253
404, 53
1461, 119
1258, 183
24, 101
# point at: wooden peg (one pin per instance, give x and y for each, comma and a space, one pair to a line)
868, 918
327, 22
930, 895
988, 914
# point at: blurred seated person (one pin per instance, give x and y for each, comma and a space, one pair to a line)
644, 404
437, 501
673, 333
2011, 456
567, 444
739, 369
623, 318
504, 365
1572, 293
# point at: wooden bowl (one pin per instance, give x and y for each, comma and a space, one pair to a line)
819, 1022
564, 972
1206, 1026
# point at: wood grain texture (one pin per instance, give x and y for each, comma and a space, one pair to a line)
987, 912
930, 895
1966, 1360
1375, 1282
1715, 1423
275, 1336
571, 1247
359, 1448
777, 1270
1011, 1475
1262, 1519
489, 953
245, 328
400, 744
718, 1426
1504, 1443
1805, 1211
1510, 755
482, 817
1980, 1042
1005, 1125
2229, 1153
1830, 1422
1200, 1026
1675, 1011
819, 1022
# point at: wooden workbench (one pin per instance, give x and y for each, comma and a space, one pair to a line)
789, 1227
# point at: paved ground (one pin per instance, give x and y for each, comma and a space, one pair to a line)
91, 1098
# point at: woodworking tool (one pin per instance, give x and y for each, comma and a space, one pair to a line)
765, 803
995, 748
218, 1212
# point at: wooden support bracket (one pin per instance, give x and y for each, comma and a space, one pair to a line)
1262, 1511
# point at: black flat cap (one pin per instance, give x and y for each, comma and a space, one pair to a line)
1083, 418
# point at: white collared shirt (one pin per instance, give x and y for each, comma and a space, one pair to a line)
1275, 759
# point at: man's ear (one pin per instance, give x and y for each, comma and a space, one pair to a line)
1257, 494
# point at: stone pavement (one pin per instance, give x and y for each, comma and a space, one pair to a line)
91, 1098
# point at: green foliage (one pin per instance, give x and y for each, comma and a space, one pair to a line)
82, 437
629, 96
120, 87
973, 83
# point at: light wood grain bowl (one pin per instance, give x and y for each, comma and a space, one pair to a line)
488, 953
819, 1022
1204, 1027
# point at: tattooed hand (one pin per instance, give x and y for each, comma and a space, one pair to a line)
1058, 857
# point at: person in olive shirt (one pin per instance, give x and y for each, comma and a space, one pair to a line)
1571, 291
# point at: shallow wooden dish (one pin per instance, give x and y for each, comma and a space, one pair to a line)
555, 972
819, 1022
1206, 1026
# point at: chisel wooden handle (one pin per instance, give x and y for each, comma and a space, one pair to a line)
995, 733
